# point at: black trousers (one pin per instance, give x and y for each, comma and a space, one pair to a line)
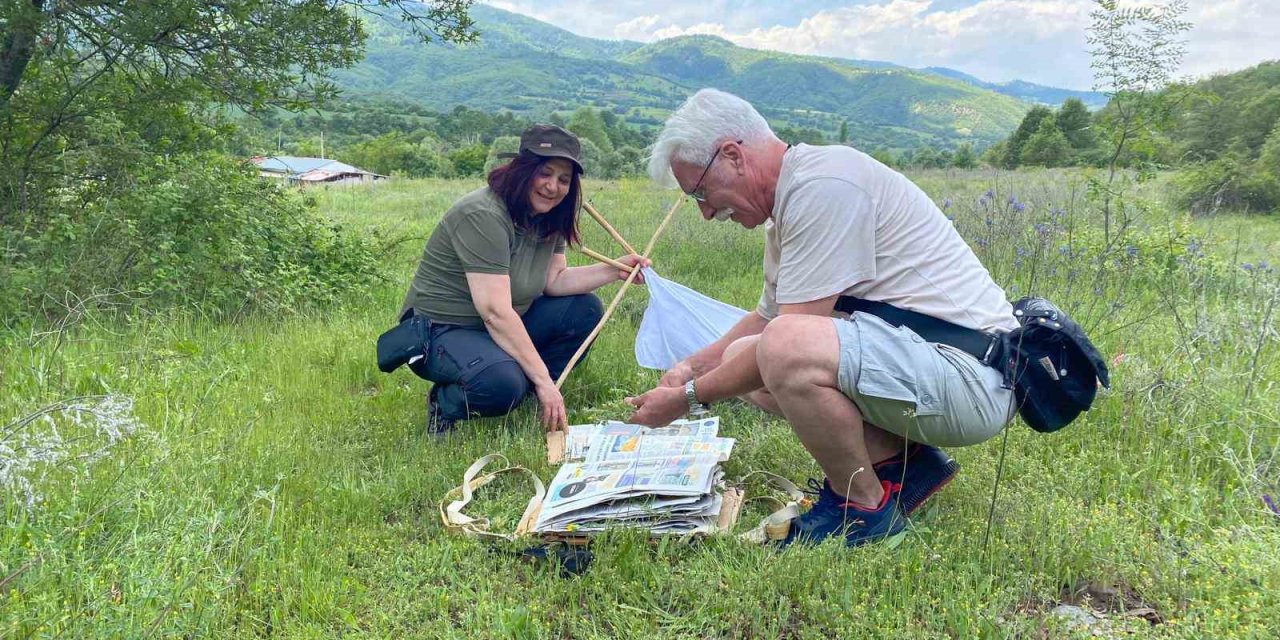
473, 376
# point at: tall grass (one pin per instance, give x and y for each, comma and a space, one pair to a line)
273, 483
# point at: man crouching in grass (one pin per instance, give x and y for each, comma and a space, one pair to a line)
869, 400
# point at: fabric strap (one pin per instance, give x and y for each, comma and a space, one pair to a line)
986, 347
776, 525
457, 521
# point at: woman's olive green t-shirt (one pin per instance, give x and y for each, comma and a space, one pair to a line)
476, 235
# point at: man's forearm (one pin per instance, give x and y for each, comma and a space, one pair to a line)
734, 377
710, 356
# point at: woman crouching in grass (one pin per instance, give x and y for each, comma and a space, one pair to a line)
505, 311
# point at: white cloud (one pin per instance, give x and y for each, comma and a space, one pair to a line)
1232, 34
1036, 40
640, 28
994, 39
705, 28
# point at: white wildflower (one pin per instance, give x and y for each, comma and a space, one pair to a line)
35, 446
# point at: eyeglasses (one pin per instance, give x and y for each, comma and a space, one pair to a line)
696, 193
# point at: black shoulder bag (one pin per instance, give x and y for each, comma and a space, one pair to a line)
1048, 361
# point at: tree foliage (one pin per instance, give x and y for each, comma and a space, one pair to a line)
1028, 127
1225, 135
245, 52
1076, 124
587, 124
398, 154
964, 157
104, 103
1134, 53
469, 160
1047, 147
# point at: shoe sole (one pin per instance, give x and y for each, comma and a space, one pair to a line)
910, 502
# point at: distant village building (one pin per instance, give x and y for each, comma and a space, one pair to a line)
312, 170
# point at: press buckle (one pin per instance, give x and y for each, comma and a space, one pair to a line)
991, 348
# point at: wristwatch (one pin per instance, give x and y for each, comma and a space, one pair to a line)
695, 408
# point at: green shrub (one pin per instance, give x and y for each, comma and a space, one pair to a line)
469, 161
1227, 183
396, 153
501, 144
198, 231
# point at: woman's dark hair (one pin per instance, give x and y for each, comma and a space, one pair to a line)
511, 183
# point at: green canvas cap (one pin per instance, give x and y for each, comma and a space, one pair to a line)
550, 141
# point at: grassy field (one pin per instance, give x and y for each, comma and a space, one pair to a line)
260, 477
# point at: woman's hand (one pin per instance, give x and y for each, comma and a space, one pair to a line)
552, 411
631, 261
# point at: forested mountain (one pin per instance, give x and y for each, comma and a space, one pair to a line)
1027, 91
534, 69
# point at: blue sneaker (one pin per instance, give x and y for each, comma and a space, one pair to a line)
923, 471
833, 514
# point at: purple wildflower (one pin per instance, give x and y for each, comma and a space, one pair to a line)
1247, 266
1271, 504
946, 204
1131, 251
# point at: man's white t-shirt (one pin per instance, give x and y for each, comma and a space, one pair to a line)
843, 223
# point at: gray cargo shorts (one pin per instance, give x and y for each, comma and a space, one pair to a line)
923, 391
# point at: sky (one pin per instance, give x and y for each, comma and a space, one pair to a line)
1041, 41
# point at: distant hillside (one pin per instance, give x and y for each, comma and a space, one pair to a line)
1026, 91
533, 68
885, 106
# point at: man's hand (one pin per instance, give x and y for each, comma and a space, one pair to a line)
658, 407
553, 414
632, 260
678, 375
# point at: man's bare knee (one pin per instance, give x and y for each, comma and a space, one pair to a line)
740, 345
764, 401
791, 345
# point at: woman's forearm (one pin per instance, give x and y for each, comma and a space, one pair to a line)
576, 280
508, 332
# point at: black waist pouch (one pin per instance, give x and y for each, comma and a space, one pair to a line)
403, 342
1054, 369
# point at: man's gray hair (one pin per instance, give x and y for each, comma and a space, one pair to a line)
693, 131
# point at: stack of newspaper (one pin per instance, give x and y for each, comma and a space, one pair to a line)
666, 480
